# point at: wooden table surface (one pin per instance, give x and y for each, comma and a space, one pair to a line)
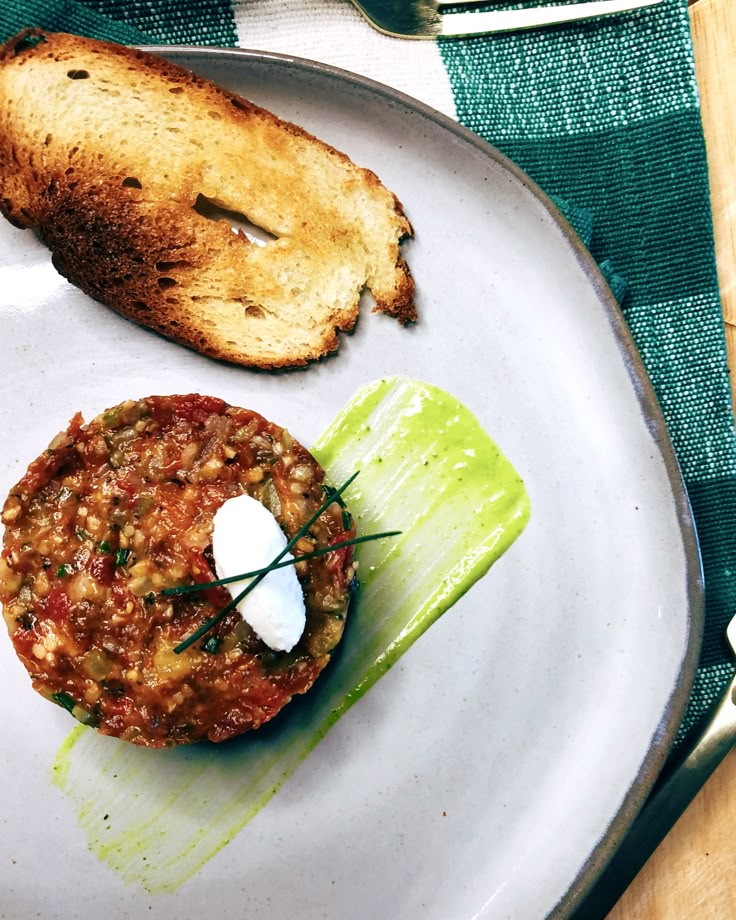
693, 873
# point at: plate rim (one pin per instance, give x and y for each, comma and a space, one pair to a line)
664, 736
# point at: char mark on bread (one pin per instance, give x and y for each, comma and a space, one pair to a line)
108, 151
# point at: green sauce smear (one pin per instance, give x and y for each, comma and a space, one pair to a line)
427, 468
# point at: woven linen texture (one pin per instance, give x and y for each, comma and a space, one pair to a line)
606, 116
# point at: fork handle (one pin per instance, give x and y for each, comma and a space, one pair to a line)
453, 25
665, 805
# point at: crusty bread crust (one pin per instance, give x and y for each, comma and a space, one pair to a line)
109, 152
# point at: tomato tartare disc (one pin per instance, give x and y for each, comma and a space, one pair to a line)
120, 508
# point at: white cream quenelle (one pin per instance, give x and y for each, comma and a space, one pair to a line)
246, 537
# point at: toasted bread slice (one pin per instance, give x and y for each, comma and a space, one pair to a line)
109, 153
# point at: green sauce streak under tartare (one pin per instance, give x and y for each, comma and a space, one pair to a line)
428, 469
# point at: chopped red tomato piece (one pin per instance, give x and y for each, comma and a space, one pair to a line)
339, 559
196, 408
202, 572
57, 605
102, 568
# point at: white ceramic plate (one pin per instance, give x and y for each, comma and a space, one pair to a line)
489, 773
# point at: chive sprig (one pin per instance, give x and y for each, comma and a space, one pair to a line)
278, 562
272, 566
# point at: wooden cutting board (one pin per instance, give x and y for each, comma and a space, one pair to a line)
693, 873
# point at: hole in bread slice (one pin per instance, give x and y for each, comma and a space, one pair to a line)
208, 208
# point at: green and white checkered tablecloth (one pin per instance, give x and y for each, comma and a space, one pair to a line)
602, 114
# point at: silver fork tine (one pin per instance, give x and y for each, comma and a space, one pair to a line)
424, 19
402, 18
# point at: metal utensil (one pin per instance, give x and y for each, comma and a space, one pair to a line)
669, 799
425, 19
